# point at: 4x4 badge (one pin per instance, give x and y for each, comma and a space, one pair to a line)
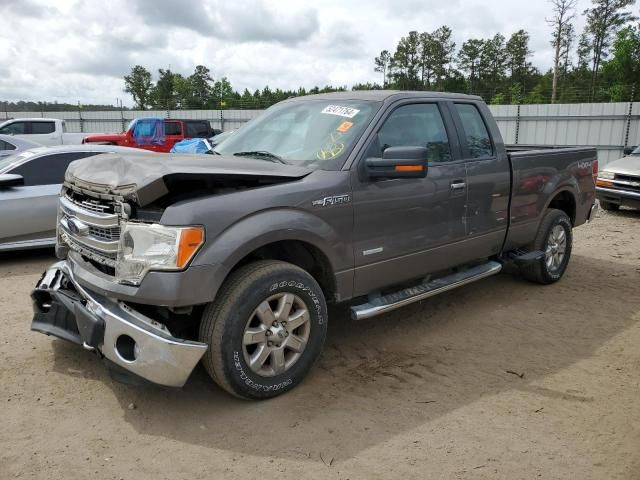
334, 200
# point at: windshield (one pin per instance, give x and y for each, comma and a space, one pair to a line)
313, 133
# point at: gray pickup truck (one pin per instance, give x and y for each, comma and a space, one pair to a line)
378, 199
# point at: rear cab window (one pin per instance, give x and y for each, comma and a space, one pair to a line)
475, 133
42, 128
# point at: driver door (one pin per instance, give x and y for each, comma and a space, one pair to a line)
407, 228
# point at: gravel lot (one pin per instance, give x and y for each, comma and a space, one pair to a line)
424, 392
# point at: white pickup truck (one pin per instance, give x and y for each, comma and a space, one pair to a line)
45, 131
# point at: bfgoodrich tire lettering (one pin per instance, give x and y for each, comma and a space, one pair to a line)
554, 236
226, 321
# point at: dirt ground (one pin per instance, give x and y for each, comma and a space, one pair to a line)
499, 379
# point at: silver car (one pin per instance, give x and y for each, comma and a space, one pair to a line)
30, 183
10, 145
618, 183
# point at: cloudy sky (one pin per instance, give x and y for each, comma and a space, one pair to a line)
73, 51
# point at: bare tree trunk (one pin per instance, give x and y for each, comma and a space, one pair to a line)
556, 72
564, 13
596, 67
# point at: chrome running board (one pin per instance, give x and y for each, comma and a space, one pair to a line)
392, 301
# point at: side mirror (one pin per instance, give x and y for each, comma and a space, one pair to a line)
628, 150
399, 162
8, 180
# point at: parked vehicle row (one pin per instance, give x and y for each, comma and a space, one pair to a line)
144, 133
51, 131
379, 199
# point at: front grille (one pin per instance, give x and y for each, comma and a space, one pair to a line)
627, 182
107, 234
88, 203
90, 226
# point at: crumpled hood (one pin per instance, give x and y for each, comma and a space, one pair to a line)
627, 166
146, 177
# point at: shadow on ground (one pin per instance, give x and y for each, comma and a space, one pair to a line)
26, 262
389, 375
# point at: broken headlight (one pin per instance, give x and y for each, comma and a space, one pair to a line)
145, 247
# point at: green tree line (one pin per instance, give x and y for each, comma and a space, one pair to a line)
602, 65
22, 106
200, 91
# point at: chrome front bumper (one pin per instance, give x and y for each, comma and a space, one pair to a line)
140, 345
619, 197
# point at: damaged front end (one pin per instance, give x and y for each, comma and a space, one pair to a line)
124, 336
122, 269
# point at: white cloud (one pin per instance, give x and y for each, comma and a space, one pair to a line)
73, 50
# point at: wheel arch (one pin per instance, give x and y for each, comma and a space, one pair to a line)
303, 254
288, 235
565, 200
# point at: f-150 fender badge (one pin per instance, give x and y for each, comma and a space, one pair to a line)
329, 201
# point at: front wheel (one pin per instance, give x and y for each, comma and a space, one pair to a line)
555, 239
265, 330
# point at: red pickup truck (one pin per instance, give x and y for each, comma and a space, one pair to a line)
174, 131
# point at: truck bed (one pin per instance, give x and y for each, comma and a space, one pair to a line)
538, 176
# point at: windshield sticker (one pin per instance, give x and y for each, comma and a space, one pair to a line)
344, 127
341, 111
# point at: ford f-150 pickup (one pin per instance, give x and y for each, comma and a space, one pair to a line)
378, 199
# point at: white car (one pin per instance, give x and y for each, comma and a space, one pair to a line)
30, 184
45, 131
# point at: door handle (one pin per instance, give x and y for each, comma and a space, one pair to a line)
458, 185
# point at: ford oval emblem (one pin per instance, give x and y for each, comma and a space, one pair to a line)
77, 227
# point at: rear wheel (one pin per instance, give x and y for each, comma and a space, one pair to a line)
265, 330
554, 238
609, 207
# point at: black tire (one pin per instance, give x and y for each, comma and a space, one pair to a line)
540, 272
224, 321
609, 207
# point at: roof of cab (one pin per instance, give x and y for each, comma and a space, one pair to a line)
384, 95
31, 119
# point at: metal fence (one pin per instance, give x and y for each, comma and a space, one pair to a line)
109, 121
608, 126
